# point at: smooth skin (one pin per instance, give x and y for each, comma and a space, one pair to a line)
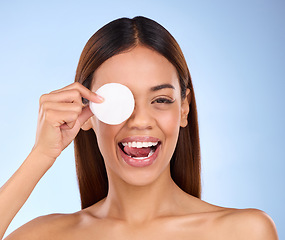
142, 203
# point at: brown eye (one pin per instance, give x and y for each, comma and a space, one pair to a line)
163, 100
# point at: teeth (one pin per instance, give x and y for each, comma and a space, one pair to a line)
139, 144
145, 144
150, 153
142, 158
139, 158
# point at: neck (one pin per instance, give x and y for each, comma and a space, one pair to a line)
136, 204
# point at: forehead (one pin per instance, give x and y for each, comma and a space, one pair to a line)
140, 68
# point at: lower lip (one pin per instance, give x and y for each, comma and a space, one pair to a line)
140, 162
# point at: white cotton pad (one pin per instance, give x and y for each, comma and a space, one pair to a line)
118, 104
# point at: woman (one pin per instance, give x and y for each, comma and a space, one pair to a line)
121, 199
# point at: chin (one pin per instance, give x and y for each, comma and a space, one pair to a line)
141, 178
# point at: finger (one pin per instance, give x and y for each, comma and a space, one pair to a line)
85, 115
58, 118
68, 96
85, 92
70, 86
82, 118
68, 125
62, 106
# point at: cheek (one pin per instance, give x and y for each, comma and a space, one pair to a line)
105, 136
169, 124
169, 121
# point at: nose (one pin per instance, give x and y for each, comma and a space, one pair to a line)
141, 118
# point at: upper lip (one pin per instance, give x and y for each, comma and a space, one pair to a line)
140, 139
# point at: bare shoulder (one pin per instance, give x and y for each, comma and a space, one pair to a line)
231, 223
52, 226
246, 224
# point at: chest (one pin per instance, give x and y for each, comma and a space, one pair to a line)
115, 230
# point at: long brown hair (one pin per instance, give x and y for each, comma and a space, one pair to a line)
116, 37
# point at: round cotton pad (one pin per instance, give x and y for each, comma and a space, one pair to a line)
118, 104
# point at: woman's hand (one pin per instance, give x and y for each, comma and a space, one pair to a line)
61, 114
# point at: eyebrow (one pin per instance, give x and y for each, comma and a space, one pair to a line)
159, 87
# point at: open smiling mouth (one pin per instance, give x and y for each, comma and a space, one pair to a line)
139, 154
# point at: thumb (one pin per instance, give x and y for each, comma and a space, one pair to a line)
85, 115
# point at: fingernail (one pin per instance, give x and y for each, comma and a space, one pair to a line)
100, 98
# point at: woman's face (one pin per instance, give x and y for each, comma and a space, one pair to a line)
159, 112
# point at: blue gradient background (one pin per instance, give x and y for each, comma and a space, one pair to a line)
235, 52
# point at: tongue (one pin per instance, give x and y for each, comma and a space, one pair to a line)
137, 152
